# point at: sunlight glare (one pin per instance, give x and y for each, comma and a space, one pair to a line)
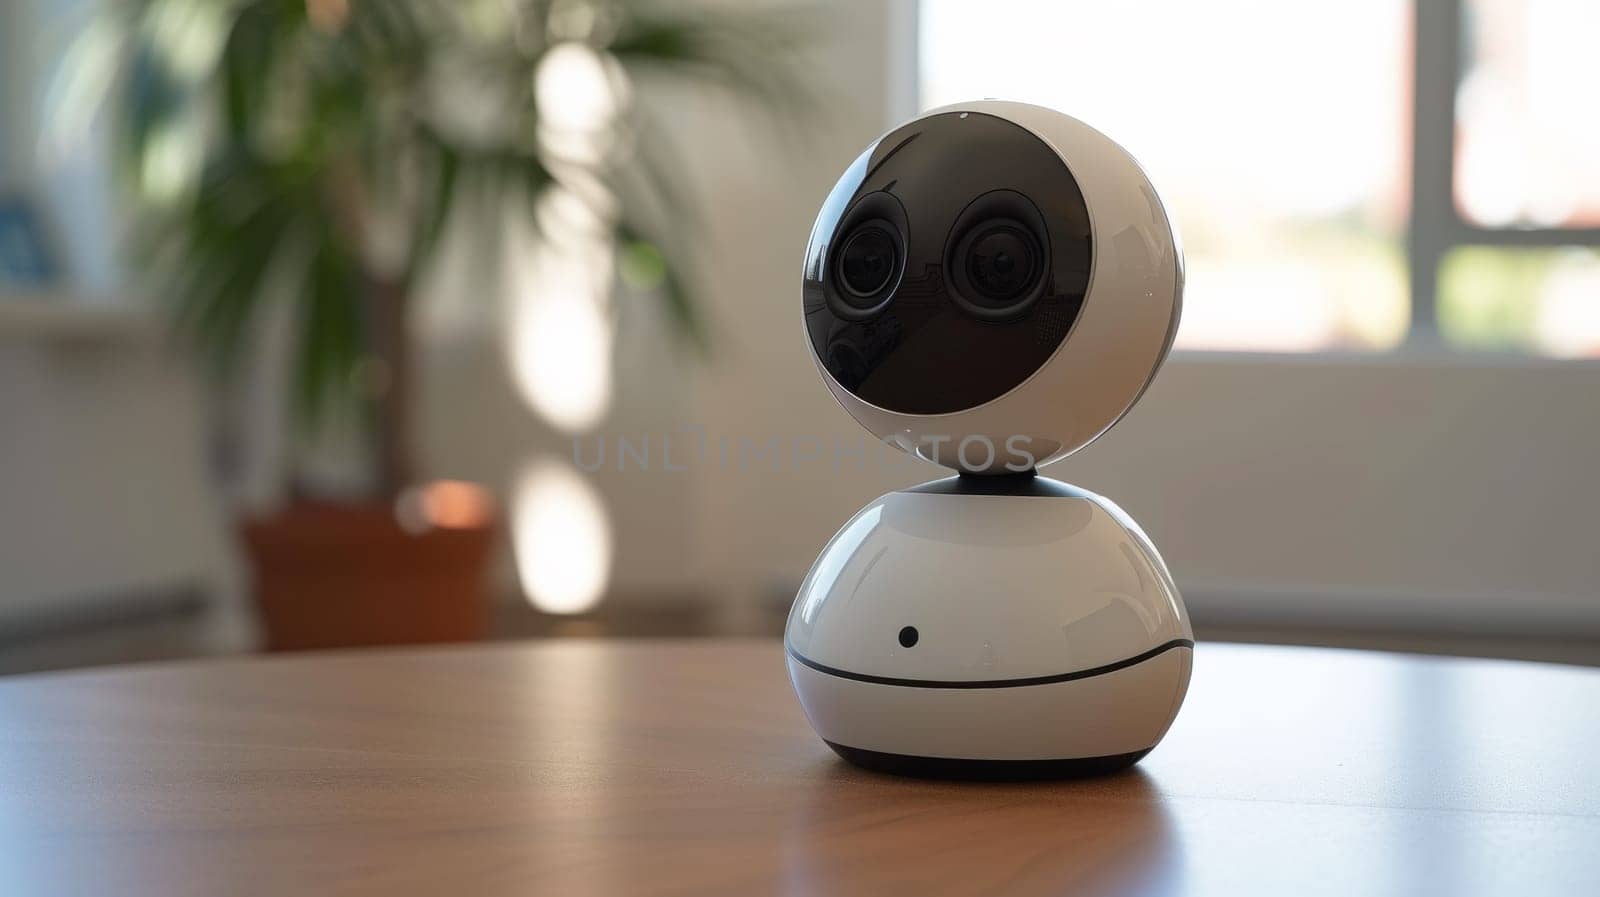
561, 538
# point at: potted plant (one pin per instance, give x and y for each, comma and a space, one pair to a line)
309, 155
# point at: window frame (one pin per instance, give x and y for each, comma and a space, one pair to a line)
1434, 226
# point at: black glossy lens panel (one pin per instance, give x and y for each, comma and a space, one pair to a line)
992, 268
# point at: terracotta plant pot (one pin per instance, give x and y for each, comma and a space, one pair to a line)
336, 575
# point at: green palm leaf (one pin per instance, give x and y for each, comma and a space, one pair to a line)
266, 141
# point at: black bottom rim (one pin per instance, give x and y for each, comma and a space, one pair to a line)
987, 770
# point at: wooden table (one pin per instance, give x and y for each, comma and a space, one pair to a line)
590, 767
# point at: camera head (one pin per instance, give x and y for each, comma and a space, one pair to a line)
991, 286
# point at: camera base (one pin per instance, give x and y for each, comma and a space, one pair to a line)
986, 770
990, 628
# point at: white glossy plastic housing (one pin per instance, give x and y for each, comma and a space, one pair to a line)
1121, 336
1048, 628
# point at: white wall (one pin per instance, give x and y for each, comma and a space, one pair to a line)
106, 505
1435, 492
760, 188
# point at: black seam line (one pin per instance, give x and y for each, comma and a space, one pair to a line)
994, 683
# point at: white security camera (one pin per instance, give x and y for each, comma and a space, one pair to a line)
991, 286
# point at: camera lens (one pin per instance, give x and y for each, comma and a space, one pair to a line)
997, 258
867, 262
1002, 261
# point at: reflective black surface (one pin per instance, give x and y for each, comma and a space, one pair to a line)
992, 254
1027, 483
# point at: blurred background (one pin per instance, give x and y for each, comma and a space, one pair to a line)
338, 322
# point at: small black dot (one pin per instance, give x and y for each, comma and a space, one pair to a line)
908, 636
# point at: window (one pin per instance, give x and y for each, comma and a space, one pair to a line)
1522, 271
1527, 147
1283, 138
